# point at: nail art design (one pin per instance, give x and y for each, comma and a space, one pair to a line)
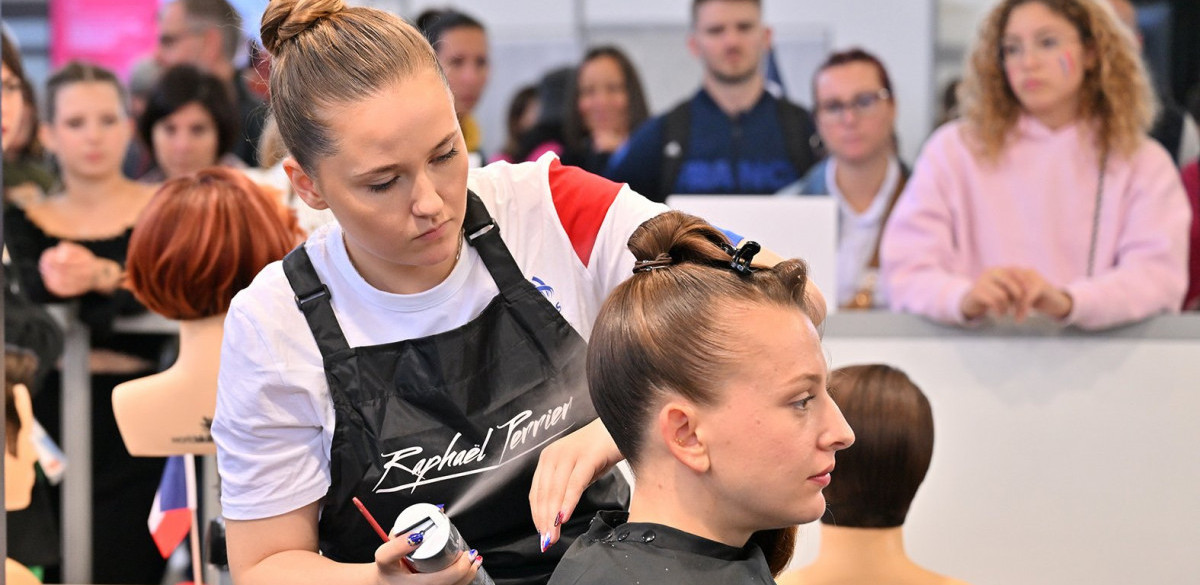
416, 538
558, 519
545, 542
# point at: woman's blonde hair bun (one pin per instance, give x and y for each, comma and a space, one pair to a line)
286, 19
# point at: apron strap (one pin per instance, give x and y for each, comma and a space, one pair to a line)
483, 233
312, 298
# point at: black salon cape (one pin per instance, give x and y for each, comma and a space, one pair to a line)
616, 552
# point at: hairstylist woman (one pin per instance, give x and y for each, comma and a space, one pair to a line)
427, 346
1047, 197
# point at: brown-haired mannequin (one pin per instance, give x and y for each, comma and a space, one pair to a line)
862, 540
19, 457
200, 240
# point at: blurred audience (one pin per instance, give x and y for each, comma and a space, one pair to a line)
189, 124
208, 34
27, 175
33, 537
143, 79
547, 134
71, 246
604, 104
862, 531
856, 120
732, 137
1047, 197
1174, 128
271, 175
522, 116
462, 48
948, 109
1191, 184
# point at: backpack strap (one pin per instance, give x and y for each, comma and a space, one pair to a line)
799, 136
677, 129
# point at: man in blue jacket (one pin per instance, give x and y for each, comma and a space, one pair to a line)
732, 137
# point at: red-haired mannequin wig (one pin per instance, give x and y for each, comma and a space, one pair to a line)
203, 238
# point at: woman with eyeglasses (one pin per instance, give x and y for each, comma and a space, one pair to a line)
856, 117
1047, 197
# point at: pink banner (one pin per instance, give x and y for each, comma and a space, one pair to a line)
110, 33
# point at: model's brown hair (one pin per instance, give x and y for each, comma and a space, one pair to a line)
1116, 93
666, 330
326, 54
202, 238
893, 444
19, 367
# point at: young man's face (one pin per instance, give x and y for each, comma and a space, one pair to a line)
728, 36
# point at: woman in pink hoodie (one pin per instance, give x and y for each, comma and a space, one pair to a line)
1046, 197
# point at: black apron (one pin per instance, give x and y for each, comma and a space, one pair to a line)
458, 418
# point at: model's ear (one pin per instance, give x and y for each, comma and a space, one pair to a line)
304, 184
677, 423
691, 43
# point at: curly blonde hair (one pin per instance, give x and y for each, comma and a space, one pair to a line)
1116, 91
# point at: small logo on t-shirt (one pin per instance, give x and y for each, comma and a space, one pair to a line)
547, 291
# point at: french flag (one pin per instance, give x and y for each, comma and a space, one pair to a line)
171, 515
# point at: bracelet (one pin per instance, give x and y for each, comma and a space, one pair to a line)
105, 275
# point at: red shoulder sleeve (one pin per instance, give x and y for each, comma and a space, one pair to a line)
582, 201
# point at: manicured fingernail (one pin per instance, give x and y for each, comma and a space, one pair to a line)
545, 542
474, 553
416, 538
479, 559
558, 519
441, 507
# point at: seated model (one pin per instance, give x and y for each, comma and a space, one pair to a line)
19, 454
861, 534
710, 376
200, 240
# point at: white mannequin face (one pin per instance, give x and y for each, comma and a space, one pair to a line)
18, 469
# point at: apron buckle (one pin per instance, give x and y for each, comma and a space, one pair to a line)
491, 224
311, 296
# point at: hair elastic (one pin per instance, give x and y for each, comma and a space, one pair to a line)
661, 261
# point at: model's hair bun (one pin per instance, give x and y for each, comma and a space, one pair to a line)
285, 19
675, 237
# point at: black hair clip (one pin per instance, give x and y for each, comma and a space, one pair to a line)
742, 256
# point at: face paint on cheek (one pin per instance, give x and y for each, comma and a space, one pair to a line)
1067, 63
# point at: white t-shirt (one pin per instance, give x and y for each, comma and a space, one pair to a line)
567, 231
858, 234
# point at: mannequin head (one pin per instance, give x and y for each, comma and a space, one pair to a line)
19, 455
893, 426
203, 238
